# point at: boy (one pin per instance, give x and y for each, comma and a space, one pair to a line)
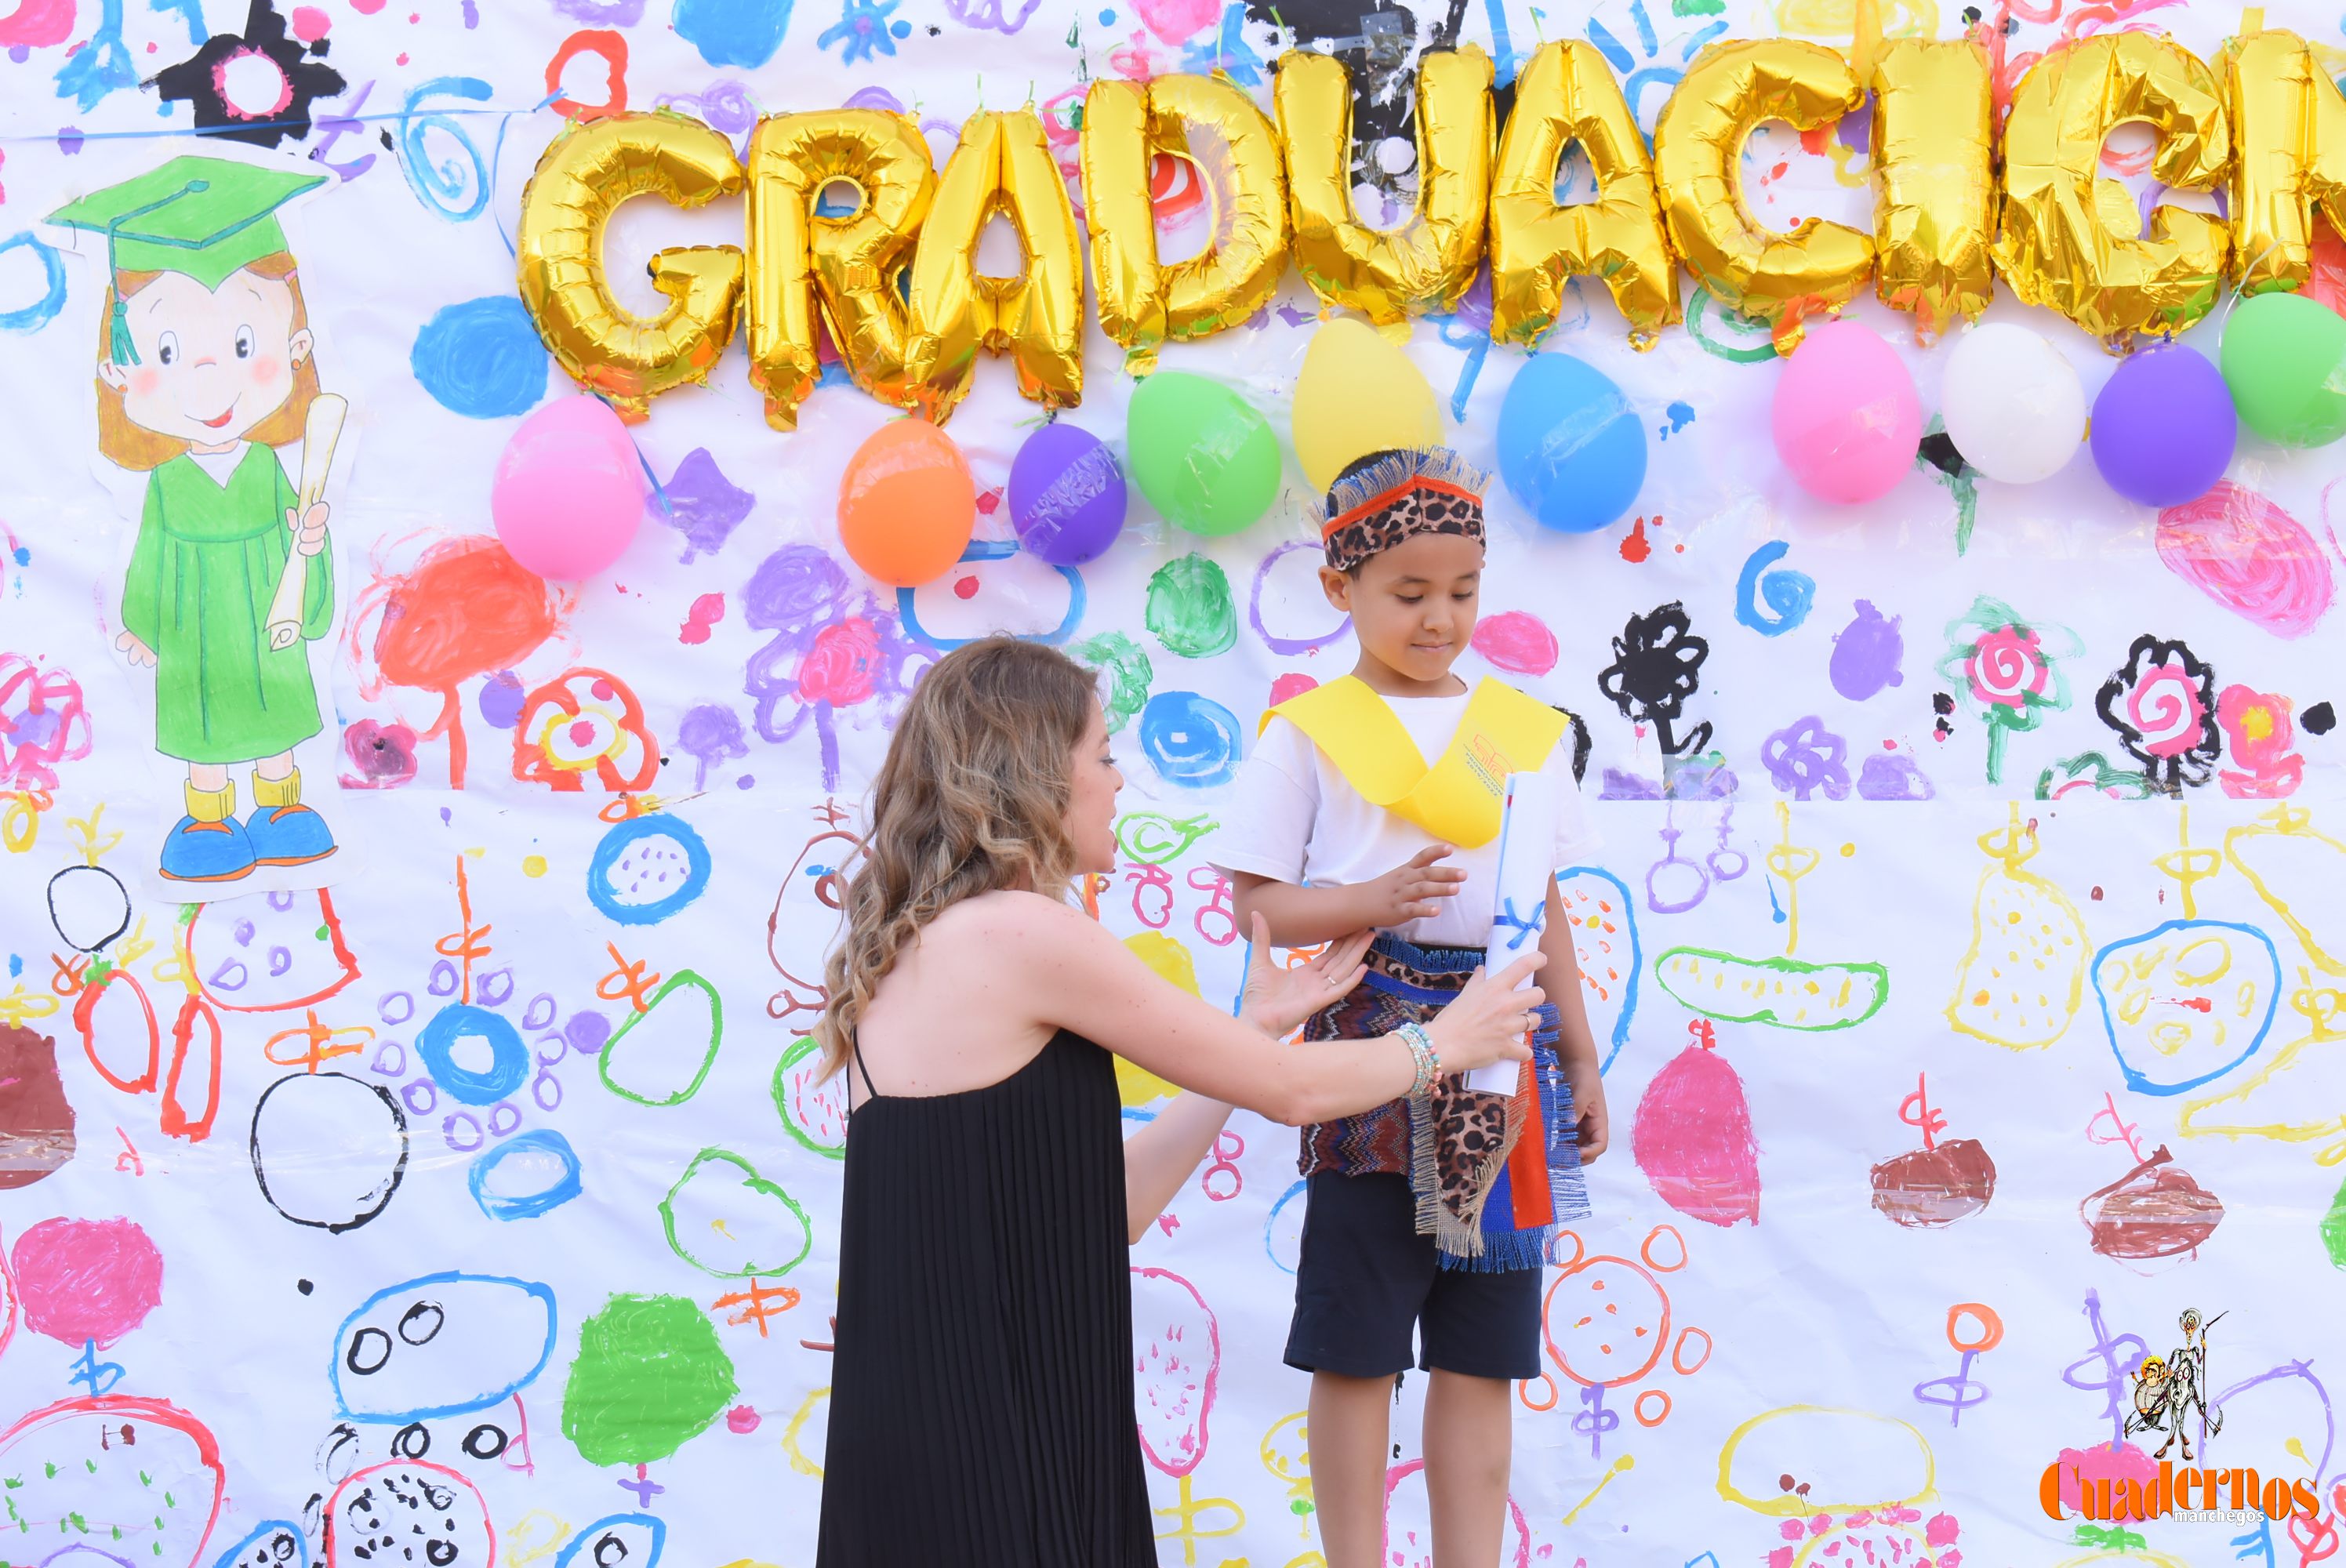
1435, 1212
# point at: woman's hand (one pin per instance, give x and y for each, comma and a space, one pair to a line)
1277, 1000
1489, 1021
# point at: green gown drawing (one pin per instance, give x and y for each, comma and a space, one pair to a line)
209, 554
201, 575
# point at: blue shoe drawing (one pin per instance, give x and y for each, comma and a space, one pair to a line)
288, 835
207, 852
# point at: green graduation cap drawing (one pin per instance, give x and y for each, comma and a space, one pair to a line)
205, 216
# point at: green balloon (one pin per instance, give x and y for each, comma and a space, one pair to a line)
1200, 452
2284, 357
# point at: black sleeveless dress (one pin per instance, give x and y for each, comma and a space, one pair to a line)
981, 1395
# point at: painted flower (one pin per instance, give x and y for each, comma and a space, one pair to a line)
2005, 666
584, 721
2010, 667
843, 668
1657, 666
1805, 757
2162, 703
2258, 726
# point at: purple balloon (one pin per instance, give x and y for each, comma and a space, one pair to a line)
1067, 495
2164, 426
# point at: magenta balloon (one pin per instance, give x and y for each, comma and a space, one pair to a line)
2164, 426
1847, 422
1067, 495
569, 490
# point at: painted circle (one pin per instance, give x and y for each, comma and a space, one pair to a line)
459, 1022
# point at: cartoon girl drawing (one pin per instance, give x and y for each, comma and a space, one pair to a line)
204, 367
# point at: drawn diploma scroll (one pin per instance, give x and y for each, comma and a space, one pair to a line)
318, 437
1519, 907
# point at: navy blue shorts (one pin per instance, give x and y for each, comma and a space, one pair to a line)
1366, 1278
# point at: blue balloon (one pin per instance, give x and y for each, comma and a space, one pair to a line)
1571, 449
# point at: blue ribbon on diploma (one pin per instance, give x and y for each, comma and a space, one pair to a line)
1508, 920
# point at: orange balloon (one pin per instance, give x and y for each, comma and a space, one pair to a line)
907, 504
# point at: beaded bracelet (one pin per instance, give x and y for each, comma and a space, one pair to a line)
1421, 1051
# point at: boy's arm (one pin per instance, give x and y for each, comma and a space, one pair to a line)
1576, 1041
1300, 916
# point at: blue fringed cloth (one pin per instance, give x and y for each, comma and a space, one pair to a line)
1490, 1198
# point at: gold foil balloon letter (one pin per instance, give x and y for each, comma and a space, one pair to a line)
1430, 260
1780, 278
1934, 181
2289, 123
1565, 95
1218, 128
2070, 238
852, 265
1001, 166
582, 176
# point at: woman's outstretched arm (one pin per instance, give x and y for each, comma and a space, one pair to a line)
1072, 973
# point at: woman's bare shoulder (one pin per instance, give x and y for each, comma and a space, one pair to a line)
1006, 921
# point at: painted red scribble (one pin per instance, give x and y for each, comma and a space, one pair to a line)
119, 1021
705, 612
1294, 683
1637, 549
194, 1033
1517, 642
2006, 65
130, 1416
1516, 1548
613, 48
582, 722
465, 609
2328, 282
2248, 555
42, 723
2258, 727
87, 1281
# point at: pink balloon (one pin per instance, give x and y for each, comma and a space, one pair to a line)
569, 490
1847, 422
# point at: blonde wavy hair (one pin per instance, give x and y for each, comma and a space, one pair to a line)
972, 798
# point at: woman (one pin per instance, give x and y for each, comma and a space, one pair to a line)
982, 1398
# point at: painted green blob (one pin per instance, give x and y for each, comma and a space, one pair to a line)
649, 1375
1190, 608
1128, 671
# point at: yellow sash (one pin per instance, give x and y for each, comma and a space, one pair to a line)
1458, 800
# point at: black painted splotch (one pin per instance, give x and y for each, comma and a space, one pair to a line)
196, 81
1657, 666
2318, 719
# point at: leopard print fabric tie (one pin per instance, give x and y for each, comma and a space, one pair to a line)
1398, 497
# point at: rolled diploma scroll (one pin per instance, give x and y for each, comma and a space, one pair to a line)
1519, 904
318, 437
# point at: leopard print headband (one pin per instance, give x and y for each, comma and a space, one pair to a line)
1429, 490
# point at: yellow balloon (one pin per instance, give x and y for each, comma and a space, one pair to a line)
851, 264
1001, 166
1780, 278
1218, 128
1566, 95
1934, 181
1357, 394
1430, 260
2069, 237
580, 181
2289, 125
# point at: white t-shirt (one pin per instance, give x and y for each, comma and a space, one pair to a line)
1294, 819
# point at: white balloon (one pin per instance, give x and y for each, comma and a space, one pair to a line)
2013, 405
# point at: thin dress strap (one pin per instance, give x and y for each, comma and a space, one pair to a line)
855, 1049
